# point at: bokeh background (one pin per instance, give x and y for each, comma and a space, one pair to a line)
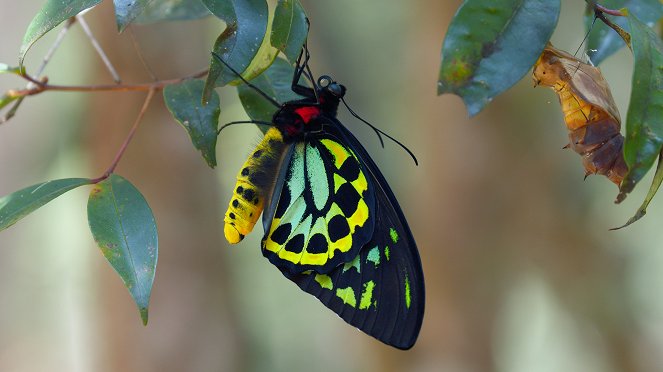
522, 273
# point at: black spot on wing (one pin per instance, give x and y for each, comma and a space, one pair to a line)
317, 244
295, 244
349, 169
347, 199
338, 228
280, 235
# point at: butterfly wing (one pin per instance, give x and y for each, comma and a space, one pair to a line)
319, 215
381, 289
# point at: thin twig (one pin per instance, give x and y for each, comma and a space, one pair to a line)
124, 146
613, 12
600, 11
55, 46
620, 31
42, 86
47, 58
98, 48
137, 48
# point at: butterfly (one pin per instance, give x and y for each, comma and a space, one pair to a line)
332, 223
590, 112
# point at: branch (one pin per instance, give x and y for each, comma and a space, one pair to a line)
600, 11
600, 8
124, 146
42, 85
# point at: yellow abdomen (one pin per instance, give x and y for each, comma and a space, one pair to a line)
254, 181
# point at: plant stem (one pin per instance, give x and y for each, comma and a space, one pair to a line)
123, 148
600, 11
612, 12
42, 86
97, 47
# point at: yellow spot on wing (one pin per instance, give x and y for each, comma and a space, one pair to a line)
359, 217
338, 182
360, 183
324, 281
339, 152
367, 295
407, 291
347, 295
313, 258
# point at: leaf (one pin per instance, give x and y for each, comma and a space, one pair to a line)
126, 11
51, 14
484, 51
6, 99
644, 120
6, 69
604, 41
262, 60
123, 227
290, 28
246, 25
655, 184
184, 101
276, 83
172, 10
19, 204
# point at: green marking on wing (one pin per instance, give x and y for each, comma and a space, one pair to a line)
386, 252
407, 291
374, 256
324, 281
393, 234
315, 168
347, 295
367, 295
295, 179
354, 263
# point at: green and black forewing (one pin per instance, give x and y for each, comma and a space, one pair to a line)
380, 291
321, 211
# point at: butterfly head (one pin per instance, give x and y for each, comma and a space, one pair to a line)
331, 88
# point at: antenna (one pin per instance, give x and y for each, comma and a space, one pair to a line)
379, 132
263, 94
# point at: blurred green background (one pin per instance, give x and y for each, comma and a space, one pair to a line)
522, 273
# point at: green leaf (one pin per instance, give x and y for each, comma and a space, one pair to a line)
644, 120
123, 227
6, 99
19, 204
262, 60
246, 25
655, 184
490, 45
51, 14
6, 69
290, 28
276, 83
184, 101
603, 41
126, 11
172, 10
